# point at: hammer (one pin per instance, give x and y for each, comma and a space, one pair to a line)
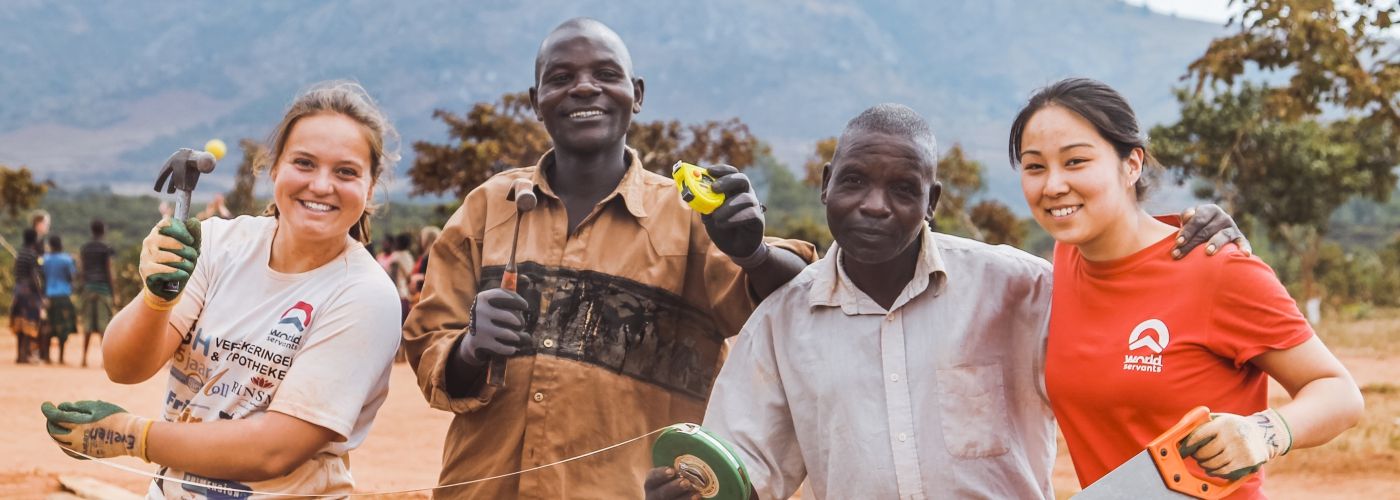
182, 170
522, 191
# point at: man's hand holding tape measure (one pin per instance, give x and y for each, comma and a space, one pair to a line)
729, 208
168, 257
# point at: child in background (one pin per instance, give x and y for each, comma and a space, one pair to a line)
59, 274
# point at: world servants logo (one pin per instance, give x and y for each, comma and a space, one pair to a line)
1150, 335
287, 332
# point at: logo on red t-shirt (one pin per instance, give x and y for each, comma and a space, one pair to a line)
1152, 335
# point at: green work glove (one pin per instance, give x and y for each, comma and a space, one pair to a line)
168, 255
96, 429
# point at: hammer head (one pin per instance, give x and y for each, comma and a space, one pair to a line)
523, 192
182, 170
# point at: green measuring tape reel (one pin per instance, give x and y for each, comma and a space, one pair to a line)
703, 459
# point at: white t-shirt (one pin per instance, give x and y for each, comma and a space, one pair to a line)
317, 346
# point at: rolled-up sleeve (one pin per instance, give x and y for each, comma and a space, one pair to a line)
441, 316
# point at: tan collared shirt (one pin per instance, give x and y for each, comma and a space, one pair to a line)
628, 314
937, 397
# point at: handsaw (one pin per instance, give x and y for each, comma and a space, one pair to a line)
1159, 471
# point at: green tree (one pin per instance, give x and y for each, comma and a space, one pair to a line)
1336, 52
999, 226
662, 143
962, 181
240, 199
795, 209
489, 138
493, 137
18, 190
1289, 174
821, 155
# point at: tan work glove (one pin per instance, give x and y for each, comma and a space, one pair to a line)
1232, 446
96, 429
168, 256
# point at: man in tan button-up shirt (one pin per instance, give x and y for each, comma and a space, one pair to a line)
630, 295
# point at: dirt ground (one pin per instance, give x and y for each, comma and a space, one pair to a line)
403, 450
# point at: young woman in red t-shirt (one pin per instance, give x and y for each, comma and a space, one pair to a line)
1137, 340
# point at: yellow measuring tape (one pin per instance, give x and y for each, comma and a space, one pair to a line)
414, 490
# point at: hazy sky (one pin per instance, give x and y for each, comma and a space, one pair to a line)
1205, 10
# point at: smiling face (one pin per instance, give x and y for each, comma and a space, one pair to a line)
321, 182
878, 190
1075, 184
585, 93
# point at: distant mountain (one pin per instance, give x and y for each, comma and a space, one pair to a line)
100, 92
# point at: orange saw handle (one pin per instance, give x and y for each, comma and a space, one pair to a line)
1166, 453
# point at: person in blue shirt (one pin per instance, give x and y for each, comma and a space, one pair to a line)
59, 274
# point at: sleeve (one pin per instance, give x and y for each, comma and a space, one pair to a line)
205, 268
361, 329
726, 287
1037, 313
435, 324
1252, 312
749, 409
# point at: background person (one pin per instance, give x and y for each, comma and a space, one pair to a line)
59, 275
27, 305
279, 343
99, 292
1129, 354
426, 238
401, 270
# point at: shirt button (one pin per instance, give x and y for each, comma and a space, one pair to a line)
902, 436
539, 396
894, 377
549, 342
889, 318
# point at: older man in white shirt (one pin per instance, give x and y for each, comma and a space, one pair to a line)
904, 364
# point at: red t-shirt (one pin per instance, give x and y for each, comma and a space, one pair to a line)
1137, 342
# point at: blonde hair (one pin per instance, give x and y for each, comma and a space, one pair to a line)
428, 235
352, 101
37, 216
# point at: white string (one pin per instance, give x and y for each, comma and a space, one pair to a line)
225, 489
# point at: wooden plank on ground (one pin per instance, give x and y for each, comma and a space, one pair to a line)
95, 489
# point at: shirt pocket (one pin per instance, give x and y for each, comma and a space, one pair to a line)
973, 410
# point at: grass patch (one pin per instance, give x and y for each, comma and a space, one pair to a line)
1371, 448
1377, 333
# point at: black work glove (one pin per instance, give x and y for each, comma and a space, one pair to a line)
737, 225
497, 327
1211, 225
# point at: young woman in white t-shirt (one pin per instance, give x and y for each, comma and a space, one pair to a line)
279, 343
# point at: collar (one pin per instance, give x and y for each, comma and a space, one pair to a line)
630, 188
831, 287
